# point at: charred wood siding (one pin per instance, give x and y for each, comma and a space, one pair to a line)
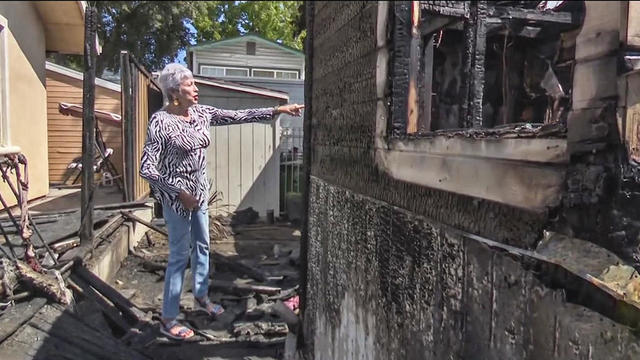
385, 283
389, 275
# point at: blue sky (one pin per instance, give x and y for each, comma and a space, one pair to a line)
181, 54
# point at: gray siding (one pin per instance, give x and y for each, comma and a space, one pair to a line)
295, 89
234, 54
233, 100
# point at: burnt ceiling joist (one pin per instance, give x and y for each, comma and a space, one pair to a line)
551, 17
529, 23
435, 23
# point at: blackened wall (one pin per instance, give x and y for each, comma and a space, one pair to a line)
387, 276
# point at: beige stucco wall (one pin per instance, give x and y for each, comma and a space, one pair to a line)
27, 92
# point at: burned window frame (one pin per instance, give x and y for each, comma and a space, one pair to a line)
517, 168
410, 108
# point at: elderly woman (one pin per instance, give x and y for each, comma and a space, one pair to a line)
174, 164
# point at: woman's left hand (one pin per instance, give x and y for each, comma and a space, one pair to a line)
292, 109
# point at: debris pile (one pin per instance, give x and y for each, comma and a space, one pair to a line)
254, 276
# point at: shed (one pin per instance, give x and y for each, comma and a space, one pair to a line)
243, 161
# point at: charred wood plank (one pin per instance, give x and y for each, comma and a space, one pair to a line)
231, 288
128, 108
448, 8
90, 294
88, 128
130, 216
17, 315
238, 266
122, 205
106, 290
51, 286
509, 13
75, 333
148, 264
260, 328
75, 254
64, 245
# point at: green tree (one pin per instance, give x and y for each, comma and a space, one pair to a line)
153, 31
156, 31
281, 21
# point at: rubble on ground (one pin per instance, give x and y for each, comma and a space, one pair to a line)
254, 275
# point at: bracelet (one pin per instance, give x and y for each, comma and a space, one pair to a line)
275, 109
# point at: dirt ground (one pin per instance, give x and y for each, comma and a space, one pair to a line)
251, 328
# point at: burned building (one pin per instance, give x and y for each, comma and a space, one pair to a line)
473, 180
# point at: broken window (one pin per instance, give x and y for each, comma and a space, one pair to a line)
491, 65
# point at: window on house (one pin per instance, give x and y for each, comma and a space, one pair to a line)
212, 71
220, 71
274, 74
251, 48
237, 72
286, 74
480, 65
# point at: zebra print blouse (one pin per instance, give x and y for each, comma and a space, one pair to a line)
173, 157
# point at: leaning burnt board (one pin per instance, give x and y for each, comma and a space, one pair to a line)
55, 333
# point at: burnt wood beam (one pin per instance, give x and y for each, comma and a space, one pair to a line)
114, 296
434, 23
127, 114
511, 13
460, 9
415, 58
88, 128
476, 91
401, 22
495, 26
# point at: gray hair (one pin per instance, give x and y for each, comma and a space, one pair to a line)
170, 79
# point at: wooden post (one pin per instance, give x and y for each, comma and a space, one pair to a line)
479, 16
414, 67
88, 128
127, 112
134, 74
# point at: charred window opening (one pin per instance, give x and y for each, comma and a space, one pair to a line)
461, 65
442, 65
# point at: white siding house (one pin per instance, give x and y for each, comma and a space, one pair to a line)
247, 56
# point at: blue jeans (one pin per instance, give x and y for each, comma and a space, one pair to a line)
186, 237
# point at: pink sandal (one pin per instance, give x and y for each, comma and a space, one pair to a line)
214, 310
165, 329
